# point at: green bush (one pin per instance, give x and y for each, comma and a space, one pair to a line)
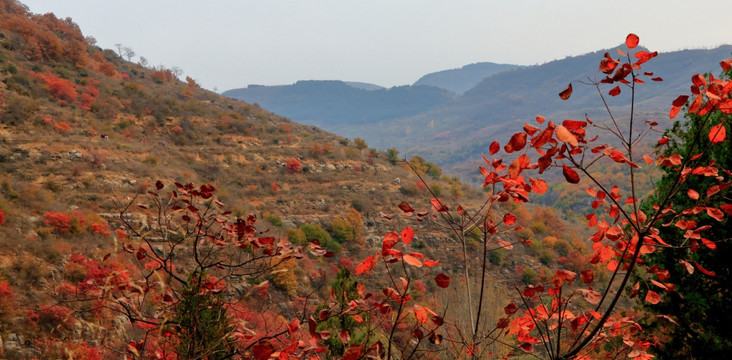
496, 256
342, 230
296, 237
316, 232
529, 276
275, 220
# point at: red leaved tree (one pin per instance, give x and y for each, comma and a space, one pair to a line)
575, 316
188, 293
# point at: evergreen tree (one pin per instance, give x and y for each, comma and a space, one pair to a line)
700, 304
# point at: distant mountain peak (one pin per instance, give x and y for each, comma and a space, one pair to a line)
465, 78
363, 85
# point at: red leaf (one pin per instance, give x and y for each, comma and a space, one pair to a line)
618, 156
510, 309
293, 326
693, 194
495, 146
715, 214
509, 219
540, 119
566, 93
562, 276
587, 276
699, 80
615, 91
687, 266
505, 244
389, 241
647, 159
663, 274
407, 235
538, 185
367, 264
518, 165
517, 142
631, 41
705, 271
420, 314
411, 260
726, 64
653, 297
727, 208
530, 129
431, 263
262, 350
591, 296
677, 104
442, 280
438, 206
570, 175
353, 352
565, 135
527, 347
608, 64
406, 207
717, 134
709, 243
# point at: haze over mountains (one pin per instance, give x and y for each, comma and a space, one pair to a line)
433, 119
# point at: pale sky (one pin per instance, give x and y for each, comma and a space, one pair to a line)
226, 44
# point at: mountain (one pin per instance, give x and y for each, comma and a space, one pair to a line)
465, 78
364, 86
454, 130
499, 105
338, 106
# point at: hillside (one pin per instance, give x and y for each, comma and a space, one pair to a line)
465, 78
84, 133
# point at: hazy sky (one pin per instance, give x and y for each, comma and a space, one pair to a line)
227, 44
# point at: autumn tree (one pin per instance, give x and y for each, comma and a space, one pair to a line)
180, 292
360, 143
576, 315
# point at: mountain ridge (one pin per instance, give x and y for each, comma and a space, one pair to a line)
457, 129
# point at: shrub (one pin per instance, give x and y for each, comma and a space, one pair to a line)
274, 220
294, 166
296, 237
358, 205
342, 230
61, 89
538, 227
529, 276
496, 257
